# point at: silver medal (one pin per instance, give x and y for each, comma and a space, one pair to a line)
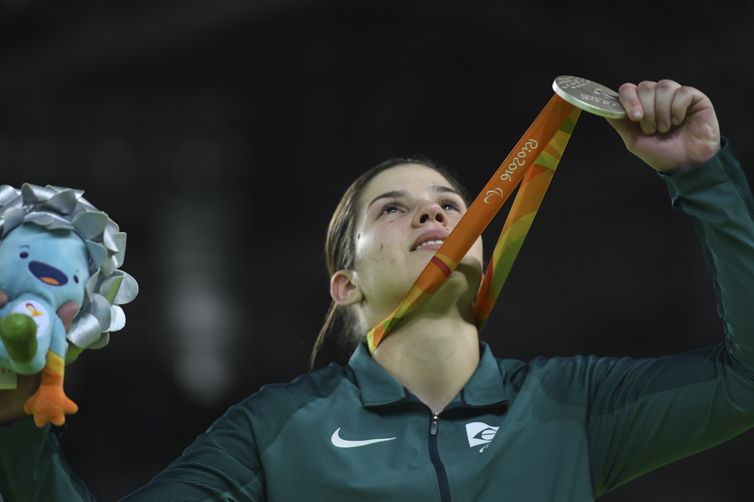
589, 96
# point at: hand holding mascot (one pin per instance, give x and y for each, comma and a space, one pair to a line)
57, 251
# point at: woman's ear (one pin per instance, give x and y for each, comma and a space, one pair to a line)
343, 290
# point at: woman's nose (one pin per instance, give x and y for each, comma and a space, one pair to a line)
428, 212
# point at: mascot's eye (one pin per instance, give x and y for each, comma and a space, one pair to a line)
23, 255
76, 279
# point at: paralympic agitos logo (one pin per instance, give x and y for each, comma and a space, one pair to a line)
518, 161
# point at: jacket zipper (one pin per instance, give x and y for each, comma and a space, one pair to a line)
434, 455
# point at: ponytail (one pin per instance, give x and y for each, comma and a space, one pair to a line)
338, 323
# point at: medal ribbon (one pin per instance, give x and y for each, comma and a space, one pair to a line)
533, 160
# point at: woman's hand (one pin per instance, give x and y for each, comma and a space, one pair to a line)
671, 127
12, 401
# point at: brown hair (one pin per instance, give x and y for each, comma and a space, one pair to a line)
340, 249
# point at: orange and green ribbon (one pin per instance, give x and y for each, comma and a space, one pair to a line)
531, 163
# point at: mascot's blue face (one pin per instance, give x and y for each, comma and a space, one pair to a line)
50, 263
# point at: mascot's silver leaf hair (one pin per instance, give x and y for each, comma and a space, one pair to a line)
57, 208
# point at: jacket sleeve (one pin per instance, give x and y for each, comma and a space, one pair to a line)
645, 413
221, 464
32, 466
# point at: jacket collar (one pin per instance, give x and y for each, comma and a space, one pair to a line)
485, 387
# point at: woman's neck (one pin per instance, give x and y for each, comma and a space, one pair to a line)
432, 356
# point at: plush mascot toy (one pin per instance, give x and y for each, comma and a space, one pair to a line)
56, 248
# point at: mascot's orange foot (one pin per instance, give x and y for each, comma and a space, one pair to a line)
49, 405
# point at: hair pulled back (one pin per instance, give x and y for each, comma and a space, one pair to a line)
340, 326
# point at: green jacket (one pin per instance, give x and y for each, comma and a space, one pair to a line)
565, 429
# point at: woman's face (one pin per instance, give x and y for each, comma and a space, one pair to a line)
405, 214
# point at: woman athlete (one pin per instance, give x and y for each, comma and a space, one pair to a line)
432, 414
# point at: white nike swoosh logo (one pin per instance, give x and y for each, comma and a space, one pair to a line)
345, 443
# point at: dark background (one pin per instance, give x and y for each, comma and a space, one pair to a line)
221, 134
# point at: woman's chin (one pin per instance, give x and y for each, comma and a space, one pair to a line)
463, 281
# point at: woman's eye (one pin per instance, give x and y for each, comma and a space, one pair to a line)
390, 209
23, 255
449, 205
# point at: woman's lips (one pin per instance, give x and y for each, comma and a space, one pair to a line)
430, 239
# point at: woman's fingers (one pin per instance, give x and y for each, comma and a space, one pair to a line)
664, 92
646, 92
66, 313
656, 106
629, 98
682, 99
12, 401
